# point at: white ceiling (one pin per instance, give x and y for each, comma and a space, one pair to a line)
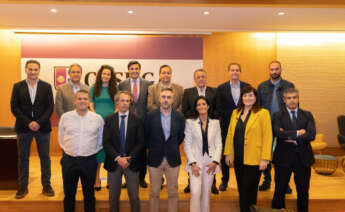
169, 19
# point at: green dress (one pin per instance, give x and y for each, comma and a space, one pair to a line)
104, 106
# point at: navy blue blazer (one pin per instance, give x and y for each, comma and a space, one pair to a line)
26, 112
155, 140
226, 105
283, 130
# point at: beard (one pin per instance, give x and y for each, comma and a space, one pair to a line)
275, 76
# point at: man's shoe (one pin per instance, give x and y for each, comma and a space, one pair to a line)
223, 186
288, 190
264, 186
214, 189
48, 191
124, 185
187, 189
143, 184
21, 193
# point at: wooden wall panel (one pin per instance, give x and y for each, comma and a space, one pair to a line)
252, 50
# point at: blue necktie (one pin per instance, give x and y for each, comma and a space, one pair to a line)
294, 120
123, 136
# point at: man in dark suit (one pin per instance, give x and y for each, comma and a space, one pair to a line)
32, 104
229, 94
294, 129
188, 105
164, 132
123, 143
138, 87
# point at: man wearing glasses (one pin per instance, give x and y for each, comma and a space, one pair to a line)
270, 93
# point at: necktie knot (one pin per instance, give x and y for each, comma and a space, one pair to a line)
123, 116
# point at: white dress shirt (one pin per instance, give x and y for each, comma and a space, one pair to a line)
201, 92
80, 135
32, 91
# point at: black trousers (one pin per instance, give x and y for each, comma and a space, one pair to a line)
143, 168
74, 168
248, 178
302, 181
225, 170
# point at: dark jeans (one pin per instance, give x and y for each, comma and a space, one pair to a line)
115, 181
248, 178
24, 144
302, 181
74, 168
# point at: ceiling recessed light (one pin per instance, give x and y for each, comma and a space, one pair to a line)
281, 13
53, 10
206, 12
130, 11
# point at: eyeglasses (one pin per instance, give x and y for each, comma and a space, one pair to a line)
275, 69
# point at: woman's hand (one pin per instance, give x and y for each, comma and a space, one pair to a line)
263, 165
211, 168
195, 170
227, 160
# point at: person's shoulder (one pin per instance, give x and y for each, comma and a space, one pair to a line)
177, 86
264, 83
222, 86
245, 83
84, 86
94, 115
287, 84
20, 83
44, 83
68, 114
306, 112
122, 83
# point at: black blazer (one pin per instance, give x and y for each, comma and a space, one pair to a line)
22, 108
226, 105
285, 152
188, 101
134, 141
155, 140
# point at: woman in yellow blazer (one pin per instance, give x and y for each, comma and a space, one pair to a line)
249, 145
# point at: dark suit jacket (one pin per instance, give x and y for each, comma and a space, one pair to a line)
22, 108
188, 102
155, 140
285, 152
226, 106
134, 141
140, 106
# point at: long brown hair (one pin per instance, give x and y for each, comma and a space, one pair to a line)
247, 89
98, 84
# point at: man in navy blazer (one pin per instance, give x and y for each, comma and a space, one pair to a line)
294, 129
123, 159
32, 104
164, 132
229, 94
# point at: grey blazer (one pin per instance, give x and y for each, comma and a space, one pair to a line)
154, 92
64, 100
140, 105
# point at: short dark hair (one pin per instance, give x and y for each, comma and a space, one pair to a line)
275, 61
290, 90
74, 64
199, 70
32, 61
118, 94
196, 103
133, 62
234, 64
247, 89
167, 89
164, 66
82, 91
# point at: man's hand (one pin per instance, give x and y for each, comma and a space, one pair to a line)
301, 132
195, 170
34, 126
123, 162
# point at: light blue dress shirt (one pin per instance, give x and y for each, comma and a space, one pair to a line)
166, 124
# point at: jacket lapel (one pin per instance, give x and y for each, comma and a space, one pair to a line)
26, 91
252, 118
228, 90
287, 120
129, 128
38, 91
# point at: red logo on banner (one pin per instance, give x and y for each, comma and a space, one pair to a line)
60, 75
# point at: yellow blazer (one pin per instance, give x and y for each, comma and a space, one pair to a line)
257, 138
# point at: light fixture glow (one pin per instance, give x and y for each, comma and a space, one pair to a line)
130, 11
309, 39
53, 10
206, 12
281, 13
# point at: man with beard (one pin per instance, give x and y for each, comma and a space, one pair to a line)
270, 93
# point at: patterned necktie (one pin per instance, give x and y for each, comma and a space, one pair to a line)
294, 119
135, 90
122, 135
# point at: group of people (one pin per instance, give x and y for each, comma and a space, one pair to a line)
136, 126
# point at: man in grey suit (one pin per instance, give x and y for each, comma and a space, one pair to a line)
65, 93
138, 88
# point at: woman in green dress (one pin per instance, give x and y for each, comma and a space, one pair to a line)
102, 102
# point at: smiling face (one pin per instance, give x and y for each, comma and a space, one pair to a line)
234, 72
249, 99
106, 75
165, 75
202, 107
123, 103
166, 99
81, 101
200, 79
32, 71
134, 71
75, 74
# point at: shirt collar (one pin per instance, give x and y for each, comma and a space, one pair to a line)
201, 91
126, 113
27, 81
232, 85
162, 114
73, 86
137, 80
289, 110
276, 83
